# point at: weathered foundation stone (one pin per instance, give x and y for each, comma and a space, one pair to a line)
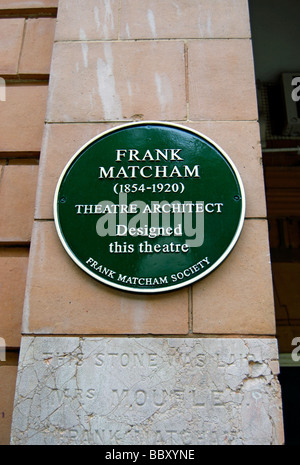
187, 391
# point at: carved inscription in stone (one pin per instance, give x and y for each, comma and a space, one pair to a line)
147, 391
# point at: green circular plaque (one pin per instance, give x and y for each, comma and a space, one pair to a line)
149, 207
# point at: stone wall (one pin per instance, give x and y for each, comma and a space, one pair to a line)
114, 62
26, 41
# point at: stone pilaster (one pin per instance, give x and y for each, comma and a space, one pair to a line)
116, 62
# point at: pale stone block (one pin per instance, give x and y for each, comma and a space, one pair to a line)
13, 269
37, 46
11, 35
27, 4
17, 194
87, 20
221, 80
62, 299
22, 118
120, 391
125, 81
237, 297
154, 19
241, 141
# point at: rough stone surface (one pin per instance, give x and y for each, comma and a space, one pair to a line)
188, 391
